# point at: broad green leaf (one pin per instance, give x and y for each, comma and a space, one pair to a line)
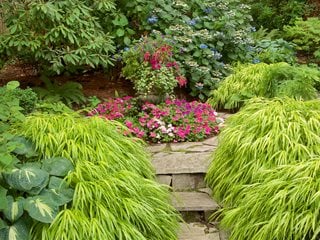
26, 178
12, 85
25, 147
57, 166
41, 208
3, 198
120, 32
3, 224
58, 196
14, 210
56, 183
18, 231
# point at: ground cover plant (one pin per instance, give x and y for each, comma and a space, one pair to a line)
115, 194
171, 121
265, 170
265, 80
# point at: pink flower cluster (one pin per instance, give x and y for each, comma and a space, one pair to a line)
172, 121
162, 57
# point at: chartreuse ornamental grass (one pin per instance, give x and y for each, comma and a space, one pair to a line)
115, 194
266, 171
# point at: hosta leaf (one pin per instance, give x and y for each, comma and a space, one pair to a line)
58, 196
3, 224
41, 208
18, 231
12, 85
24, 147
57, 166
14, 210
3, 199
56, 183
26, 178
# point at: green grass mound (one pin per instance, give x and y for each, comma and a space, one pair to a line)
266, 171
265, 80
116, 196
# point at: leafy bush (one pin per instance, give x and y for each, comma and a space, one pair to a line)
273, 80
115, 196
266, 170
274, 14
171, 121
34, 194
151, 68
305, 34
206, 35
56, 35
69, 92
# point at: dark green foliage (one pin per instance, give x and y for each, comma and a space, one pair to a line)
306, 35
69, 92
263, 80
265, 171
56, 36
272, 14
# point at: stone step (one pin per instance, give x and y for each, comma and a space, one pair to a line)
198, 231
193, 201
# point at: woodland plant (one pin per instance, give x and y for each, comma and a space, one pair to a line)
265, 170
171, 121
115, 195
265, 80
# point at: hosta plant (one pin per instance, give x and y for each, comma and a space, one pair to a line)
266, 170
115, 195
265, 80
33, 192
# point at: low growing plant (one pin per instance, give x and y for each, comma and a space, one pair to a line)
265, 170
115, 195
263, 80
171, 121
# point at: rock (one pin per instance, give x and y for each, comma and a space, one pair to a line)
187, 181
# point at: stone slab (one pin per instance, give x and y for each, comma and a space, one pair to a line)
157, 148
211, 141
202, 148
197, 231
193, 201
176, 163
165, 179
223, 235
184, 146
187, 181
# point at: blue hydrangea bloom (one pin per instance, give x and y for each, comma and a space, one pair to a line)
192, 22
256, 60
152, 19
203, 46
216, 55
208, 10
126, 49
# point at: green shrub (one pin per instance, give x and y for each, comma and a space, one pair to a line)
305, 34
56, 36
115, 196
263, 80
274, 14
207, 35
266, 170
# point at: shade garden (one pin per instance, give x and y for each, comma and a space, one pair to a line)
75, 166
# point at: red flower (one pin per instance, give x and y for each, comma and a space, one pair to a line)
181, 80
146, 56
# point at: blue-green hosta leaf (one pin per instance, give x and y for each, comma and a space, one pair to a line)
57, 183
18, 231
3, 224
58, 196
27, 178
41, 208
14, 210
57, 166
3, 198
24, 147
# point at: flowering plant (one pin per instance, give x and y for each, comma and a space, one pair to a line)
171, 121
150, 66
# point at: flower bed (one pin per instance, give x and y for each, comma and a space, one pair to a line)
171, 121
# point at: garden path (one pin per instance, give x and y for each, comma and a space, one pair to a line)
183, 166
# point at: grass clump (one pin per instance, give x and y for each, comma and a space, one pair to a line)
115, 196
265, 80
266, 170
